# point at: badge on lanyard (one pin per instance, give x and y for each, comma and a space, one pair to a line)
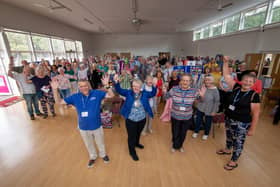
182, 108
231, 107
236, 99
84, 114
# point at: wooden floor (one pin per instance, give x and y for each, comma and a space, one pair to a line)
50, 152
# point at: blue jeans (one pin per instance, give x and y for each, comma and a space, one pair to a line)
64, 92
31, 99
208, 122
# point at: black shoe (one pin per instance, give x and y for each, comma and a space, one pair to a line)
106, 159
140, 146
53, 114
45, 116
39, 114
134, 157
32, 117
90, 163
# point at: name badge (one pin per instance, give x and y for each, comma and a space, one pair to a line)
231, 107
84, 114
182, 108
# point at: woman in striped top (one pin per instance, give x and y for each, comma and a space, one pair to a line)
183, 97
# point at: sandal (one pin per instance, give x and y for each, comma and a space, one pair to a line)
222, 152
230, 167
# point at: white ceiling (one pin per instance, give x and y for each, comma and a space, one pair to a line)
112, 16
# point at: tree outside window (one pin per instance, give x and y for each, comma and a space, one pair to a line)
232, 23
255, 17
275, 11
217, 28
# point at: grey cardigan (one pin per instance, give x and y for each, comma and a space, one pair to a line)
210, 102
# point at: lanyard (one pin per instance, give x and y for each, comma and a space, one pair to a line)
236, 99
84, 101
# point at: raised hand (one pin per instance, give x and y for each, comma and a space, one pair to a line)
105, 80
202, 90
226, 59
116, 78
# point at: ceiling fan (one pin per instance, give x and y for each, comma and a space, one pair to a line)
53, 5
219, 7
135, 21
222, 6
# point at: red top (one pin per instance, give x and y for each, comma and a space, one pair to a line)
159, 88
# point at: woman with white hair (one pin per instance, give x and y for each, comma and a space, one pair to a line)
63, 80
207, 107
83, 72
134, 111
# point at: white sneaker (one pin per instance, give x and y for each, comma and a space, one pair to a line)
204, 137
194, 135
182, 150
173, 150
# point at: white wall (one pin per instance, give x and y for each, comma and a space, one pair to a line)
16, 18
181, 44
137, 44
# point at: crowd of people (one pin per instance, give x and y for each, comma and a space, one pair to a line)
193, 99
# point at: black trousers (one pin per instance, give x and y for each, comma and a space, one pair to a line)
134, 130
179, 130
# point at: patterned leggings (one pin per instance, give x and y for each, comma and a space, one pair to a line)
47, 98
236, 132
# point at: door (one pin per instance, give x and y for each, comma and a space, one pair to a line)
253, 60
125, 55
275, 71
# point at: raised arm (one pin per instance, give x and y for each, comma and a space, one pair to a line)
118, 88
228, 79
105, 83
152, 93
10, 71
255, 112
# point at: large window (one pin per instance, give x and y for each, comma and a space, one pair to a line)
206, 32
42, 48
252, 18
35, 47
58, 48
255, 17
197, 35
232, 23
20, 47
70, 49
275, 11
217, 28
79, 47
2, 49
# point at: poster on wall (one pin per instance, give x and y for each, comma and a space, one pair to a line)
4, 86
179, 69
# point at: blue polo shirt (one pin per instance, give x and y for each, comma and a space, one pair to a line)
88, 108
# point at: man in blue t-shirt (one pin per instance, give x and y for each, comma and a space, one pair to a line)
88, 103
